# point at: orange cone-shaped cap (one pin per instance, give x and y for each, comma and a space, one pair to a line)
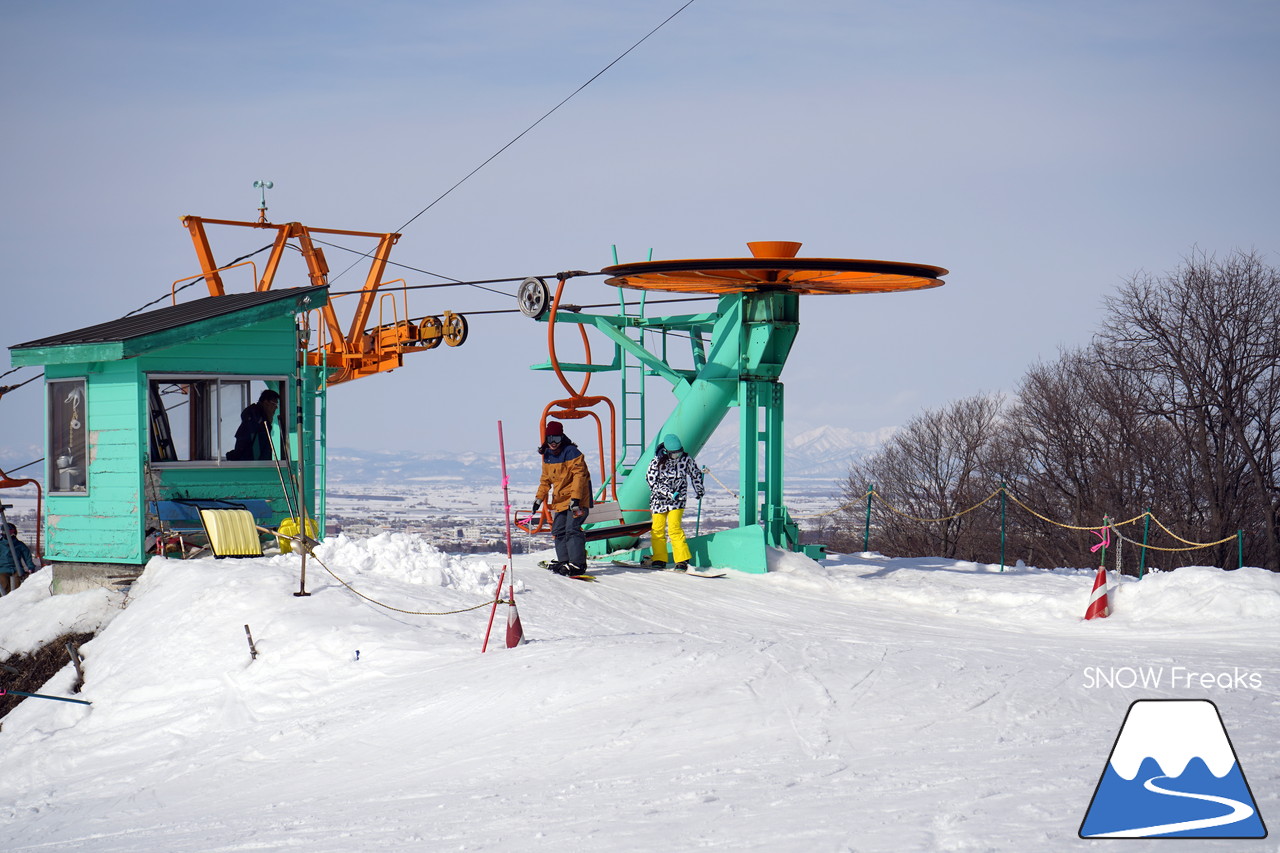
774, 249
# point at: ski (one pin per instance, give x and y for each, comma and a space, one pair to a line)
692, 572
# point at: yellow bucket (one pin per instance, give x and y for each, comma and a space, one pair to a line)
289, 527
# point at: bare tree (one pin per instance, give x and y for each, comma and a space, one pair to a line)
1175, 408
1090, 452
939, 464
1203, 342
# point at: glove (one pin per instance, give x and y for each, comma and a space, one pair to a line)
536, 505
576, 508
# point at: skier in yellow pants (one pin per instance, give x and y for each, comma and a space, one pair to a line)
669, 475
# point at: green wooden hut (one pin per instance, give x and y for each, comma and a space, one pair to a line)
141, 414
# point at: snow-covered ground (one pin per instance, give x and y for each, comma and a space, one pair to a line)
863, 703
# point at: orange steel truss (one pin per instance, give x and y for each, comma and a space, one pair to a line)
360, 349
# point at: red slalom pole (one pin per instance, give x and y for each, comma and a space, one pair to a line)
515, 631
497, 596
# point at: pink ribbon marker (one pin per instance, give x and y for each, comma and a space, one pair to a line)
1105, 536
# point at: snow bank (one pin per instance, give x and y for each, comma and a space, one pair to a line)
405, 557
1203, 598
1198, 595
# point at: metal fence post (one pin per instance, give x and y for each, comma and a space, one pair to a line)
1002, 504
866, 531
1142, 555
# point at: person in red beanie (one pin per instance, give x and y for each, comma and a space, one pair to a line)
567, 482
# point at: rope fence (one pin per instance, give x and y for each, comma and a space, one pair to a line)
357, 592
1002, 493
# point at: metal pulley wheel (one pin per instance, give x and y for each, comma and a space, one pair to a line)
430, 332
455, 329
533, 297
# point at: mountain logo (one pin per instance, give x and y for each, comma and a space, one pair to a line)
1172, 773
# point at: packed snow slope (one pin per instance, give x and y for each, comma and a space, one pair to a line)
862, 703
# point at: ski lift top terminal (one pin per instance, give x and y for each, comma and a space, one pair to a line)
738, 353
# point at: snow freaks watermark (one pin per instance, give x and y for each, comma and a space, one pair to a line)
1156, 677
1172, 773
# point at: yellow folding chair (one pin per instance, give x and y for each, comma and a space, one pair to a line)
231, 532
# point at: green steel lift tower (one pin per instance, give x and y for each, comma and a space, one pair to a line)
738, 353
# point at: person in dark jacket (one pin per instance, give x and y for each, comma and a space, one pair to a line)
669, 476
15, 560
253, 438
566, 486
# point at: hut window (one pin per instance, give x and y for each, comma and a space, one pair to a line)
195, 419
68, 442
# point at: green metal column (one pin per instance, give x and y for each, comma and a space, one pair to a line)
748, 454
319, 444
780, 530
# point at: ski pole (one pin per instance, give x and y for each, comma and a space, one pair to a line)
4, 692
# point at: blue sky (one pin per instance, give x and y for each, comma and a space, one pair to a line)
1043, 152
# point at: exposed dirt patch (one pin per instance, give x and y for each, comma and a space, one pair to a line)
29, 672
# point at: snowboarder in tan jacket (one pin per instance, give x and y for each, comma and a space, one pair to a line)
567, 483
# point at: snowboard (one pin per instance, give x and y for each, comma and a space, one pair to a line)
692, 572
546, 564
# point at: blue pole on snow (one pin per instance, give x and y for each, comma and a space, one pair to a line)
4, 692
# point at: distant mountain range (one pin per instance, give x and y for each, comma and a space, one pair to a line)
12, 458
821, 454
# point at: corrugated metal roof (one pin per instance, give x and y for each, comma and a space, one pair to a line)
163, 319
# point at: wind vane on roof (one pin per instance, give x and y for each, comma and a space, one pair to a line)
262, 207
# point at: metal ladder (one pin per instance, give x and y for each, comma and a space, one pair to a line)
634, 438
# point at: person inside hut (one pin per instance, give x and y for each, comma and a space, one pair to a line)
15, 559
253, 438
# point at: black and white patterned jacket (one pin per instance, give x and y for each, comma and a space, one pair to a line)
668, 478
